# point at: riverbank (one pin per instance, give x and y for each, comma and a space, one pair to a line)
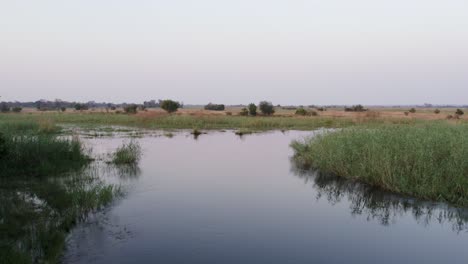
426, 160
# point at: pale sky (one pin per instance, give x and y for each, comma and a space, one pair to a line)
242, 51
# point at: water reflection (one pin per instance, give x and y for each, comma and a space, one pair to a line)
125, 171
377, 205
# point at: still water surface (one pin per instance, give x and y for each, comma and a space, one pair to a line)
225, 199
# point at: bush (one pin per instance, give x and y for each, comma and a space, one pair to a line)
321, 109
267, 108
252, 109
229, 113
63, 109
17, 109
459, 112
412, 110
170, 106
355, 108
244, 112
128, 153
80, 107
214, 107
113, 108
437, 111
131, 109
406, 113
301, 111
450, 117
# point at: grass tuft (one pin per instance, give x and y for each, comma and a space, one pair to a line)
128, 153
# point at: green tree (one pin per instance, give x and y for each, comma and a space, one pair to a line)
252, 109
267, 108
170, 106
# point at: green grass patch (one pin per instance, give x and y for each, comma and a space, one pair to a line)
427, 161
39, 155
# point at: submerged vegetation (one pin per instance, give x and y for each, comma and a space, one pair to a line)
426, 161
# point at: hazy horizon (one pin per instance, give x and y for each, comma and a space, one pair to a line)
288, 52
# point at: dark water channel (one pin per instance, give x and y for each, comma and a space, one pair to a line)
225, 199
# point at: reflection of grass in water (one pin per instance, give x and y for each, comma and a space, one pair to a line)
376, 204
424, 161
37, 213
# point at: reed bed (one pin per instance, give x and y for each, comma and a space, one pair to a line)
427, 161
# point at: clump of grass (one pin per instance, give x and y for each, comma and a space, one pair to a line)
128, 153
427, 161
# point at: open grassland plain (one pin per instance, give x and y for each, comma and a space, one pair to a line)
425, 160
200, 119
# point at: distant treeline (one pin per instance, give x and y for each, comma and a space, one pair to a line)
45, 105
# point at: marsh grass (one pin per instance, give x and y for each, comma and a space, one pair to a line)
427, 161
128, 153
39, 155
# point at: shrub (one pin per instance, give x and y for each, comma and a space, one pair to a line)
412, 110
449, 117
355, 108
113, 107
128, 153
406, 113
170, 106
437, 111
131, 109
313, 113
301, 111
321, 109
267, 108
80, 107
244, 112
17, 109
214, 107
252, 109
459, 112
4, 107
229, 113
63, 109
